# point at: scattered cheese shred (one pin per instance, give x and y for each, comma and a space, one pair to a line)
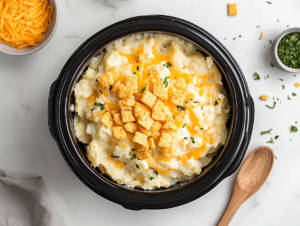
297, 84
261, 34
264, 97
24, 22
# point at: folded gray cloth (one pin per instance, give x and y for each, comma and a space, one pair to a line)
26, 202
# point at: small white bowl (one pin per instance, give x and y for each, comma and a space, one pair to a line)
4, 48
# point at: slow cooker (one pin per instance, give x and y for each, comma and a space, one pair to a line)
225, 163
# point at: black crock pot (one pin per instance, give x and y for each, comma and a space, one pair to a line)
224, 164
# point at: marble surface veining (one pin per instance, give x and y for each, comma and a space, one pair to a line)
28, 149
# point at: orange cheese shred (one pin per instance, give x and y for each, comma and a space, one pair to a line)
24, 22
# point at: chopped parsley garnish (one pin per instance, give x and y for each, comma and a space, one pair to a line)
257, 76
274, 104
166, 81
275, 157
133, 157
133, 149
201, 128
143, 90
240, 36
270, 141
181, 108
191, 98
294, 129
272, 65
270, 41
193, 140
92, 109
225, 38
267, 76
178, 182
168, 65
294, 94
234, 38
268, 2
184, 125
185, 138
195, 102
281, 79
266, 132
277, 20
78, 120
216, 103
276, 137
287, 25
155, 172
134, 73
138, 68
137, 166
100, 91
283, 87
97, 80
113, 156
102, 106
289, 98
288, 50
151, 178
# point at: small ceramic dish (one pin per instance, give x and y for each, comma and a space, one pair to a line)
4, 48
274, 53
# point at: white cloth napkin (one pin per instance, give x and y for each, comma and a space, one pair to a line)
26, 202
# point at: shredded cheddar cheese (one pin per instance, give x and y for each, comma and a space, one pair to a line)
24, 22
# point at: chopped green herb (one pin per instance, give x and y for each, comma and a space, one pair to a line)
155, 172
181, 108
287, 25
276, 137
195, 102
294, 94
184, 125
294, 129
193, 140
257, 26
225, 38
137, 166
257, 76
78, 120
143, 90
274, 104
185, 138
100, 91
92, 109
166, 81
268, 2
201, 128
240, 36
151, 178
277, 20
202, 108
267, 76
272, 65
113, 156
270, 41
97, 80
271, 141
234, 38
281, 79
137, 68
168, 65
266, 132
283, 87
134, 73
275, 157
288, 50
129, 153
133, 149
177, 182
216, 103
133, 157
289, 98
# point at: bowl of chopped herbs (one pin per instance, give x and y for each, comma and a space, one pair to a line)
286, 50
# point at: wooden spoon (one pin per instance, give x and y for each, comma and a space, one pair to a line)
251, 177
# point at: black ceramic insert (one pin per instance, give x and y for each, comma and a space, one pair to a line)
224, 164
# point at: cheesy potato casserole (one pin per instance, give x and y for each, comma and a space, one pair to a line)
152, 111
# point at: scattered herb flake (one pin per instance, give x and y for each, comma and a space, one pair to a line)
289, 98
78, 120
92, 109
257, 76
234, 38
195, 102
133, 157
294, 129
185, 138
181, 108
270, 41
114, 157
240, 36
225, 38
294, 94
201, 128
277, 20
137, 68
137, 166
168, 65
216, 103
134, 73
272, 65
281, 79
283, 87
276, 137
287, 25
269, 2
143, 90
184, 125
257, 26
193, 140
275, 157
266, 132
274, 104
166, 81
155, 172
267, 76
151, 178
133, 149
100, 91
270, 141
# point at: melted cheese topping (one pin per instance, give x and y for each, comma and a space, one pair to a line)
24, 22
200, 132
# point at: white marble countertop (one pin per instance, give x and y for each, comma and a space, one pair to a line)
28, 149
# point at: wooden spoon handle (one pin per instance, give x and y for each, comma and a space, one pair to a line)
238, 197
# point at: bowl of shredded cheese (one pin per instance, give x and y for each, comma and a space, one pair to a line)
26, 25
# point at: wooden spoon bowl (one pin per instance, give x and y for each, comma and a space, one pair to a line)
251, 177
